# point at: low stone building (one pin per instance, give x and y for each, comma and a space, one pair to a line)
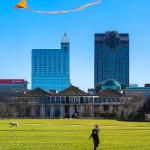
71, 102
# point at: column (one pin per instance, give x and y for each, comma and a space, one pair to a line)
111, 108
42, 111
71, 110
52, 114
92, 111
101, 109
62, 111
33, 112
81, 111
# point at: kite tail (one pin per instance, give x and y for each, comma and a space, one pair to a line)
66, 11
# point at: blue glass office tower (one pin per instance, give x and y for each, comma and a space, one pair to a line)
111, 57
51, 67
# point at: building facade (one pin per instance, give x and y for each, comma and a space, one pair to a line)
69, 103
6, 84
75, 103
51, 67
111, 58
138, 91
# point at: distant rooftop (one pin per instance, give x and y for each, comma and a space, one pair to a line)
108, 34
72, 91
12, 81
38, 92
138, 88
109, 93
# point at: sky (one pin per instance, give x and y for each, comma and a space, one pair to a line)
21, 31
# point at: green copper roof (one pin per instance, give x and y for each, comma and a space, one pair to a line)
111, 83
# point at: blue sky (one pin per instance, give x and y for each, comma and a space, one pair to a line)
21, 31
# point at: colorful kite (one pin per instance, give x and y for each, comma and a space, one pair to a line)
22, 4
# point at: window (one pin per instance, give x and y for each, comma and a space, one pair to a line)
53, 100
67, 100
57, 100
62, 100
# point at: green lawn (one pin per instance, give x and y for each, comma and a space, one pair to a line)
73, 135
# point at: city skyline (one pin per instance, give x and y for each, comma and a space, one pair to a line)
21, 31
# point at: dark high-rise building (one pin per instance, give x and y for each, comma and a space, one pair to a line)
51, 67
111, 57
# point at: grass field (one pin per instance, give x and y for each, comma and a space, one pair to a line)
73, 135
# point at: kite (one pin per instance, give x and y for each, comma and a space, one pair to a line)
22, 4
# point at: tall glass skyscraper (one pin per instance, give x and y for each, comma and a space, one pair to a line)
51, 67
111, 57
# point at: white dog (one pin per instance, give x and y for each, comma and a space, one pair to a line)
13, 124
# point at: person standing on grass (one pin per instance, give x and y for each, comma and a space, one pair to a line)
95, 136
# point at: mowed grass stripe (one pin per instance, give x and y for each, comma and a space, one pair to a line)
73, 135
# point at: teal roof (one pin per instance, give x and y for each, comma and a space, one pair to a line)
111, 83
138, 88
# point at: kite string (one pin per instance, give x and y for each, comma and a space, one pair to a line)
67, 11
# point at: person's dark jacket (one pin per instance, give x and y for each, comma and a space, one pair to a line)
95, 136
